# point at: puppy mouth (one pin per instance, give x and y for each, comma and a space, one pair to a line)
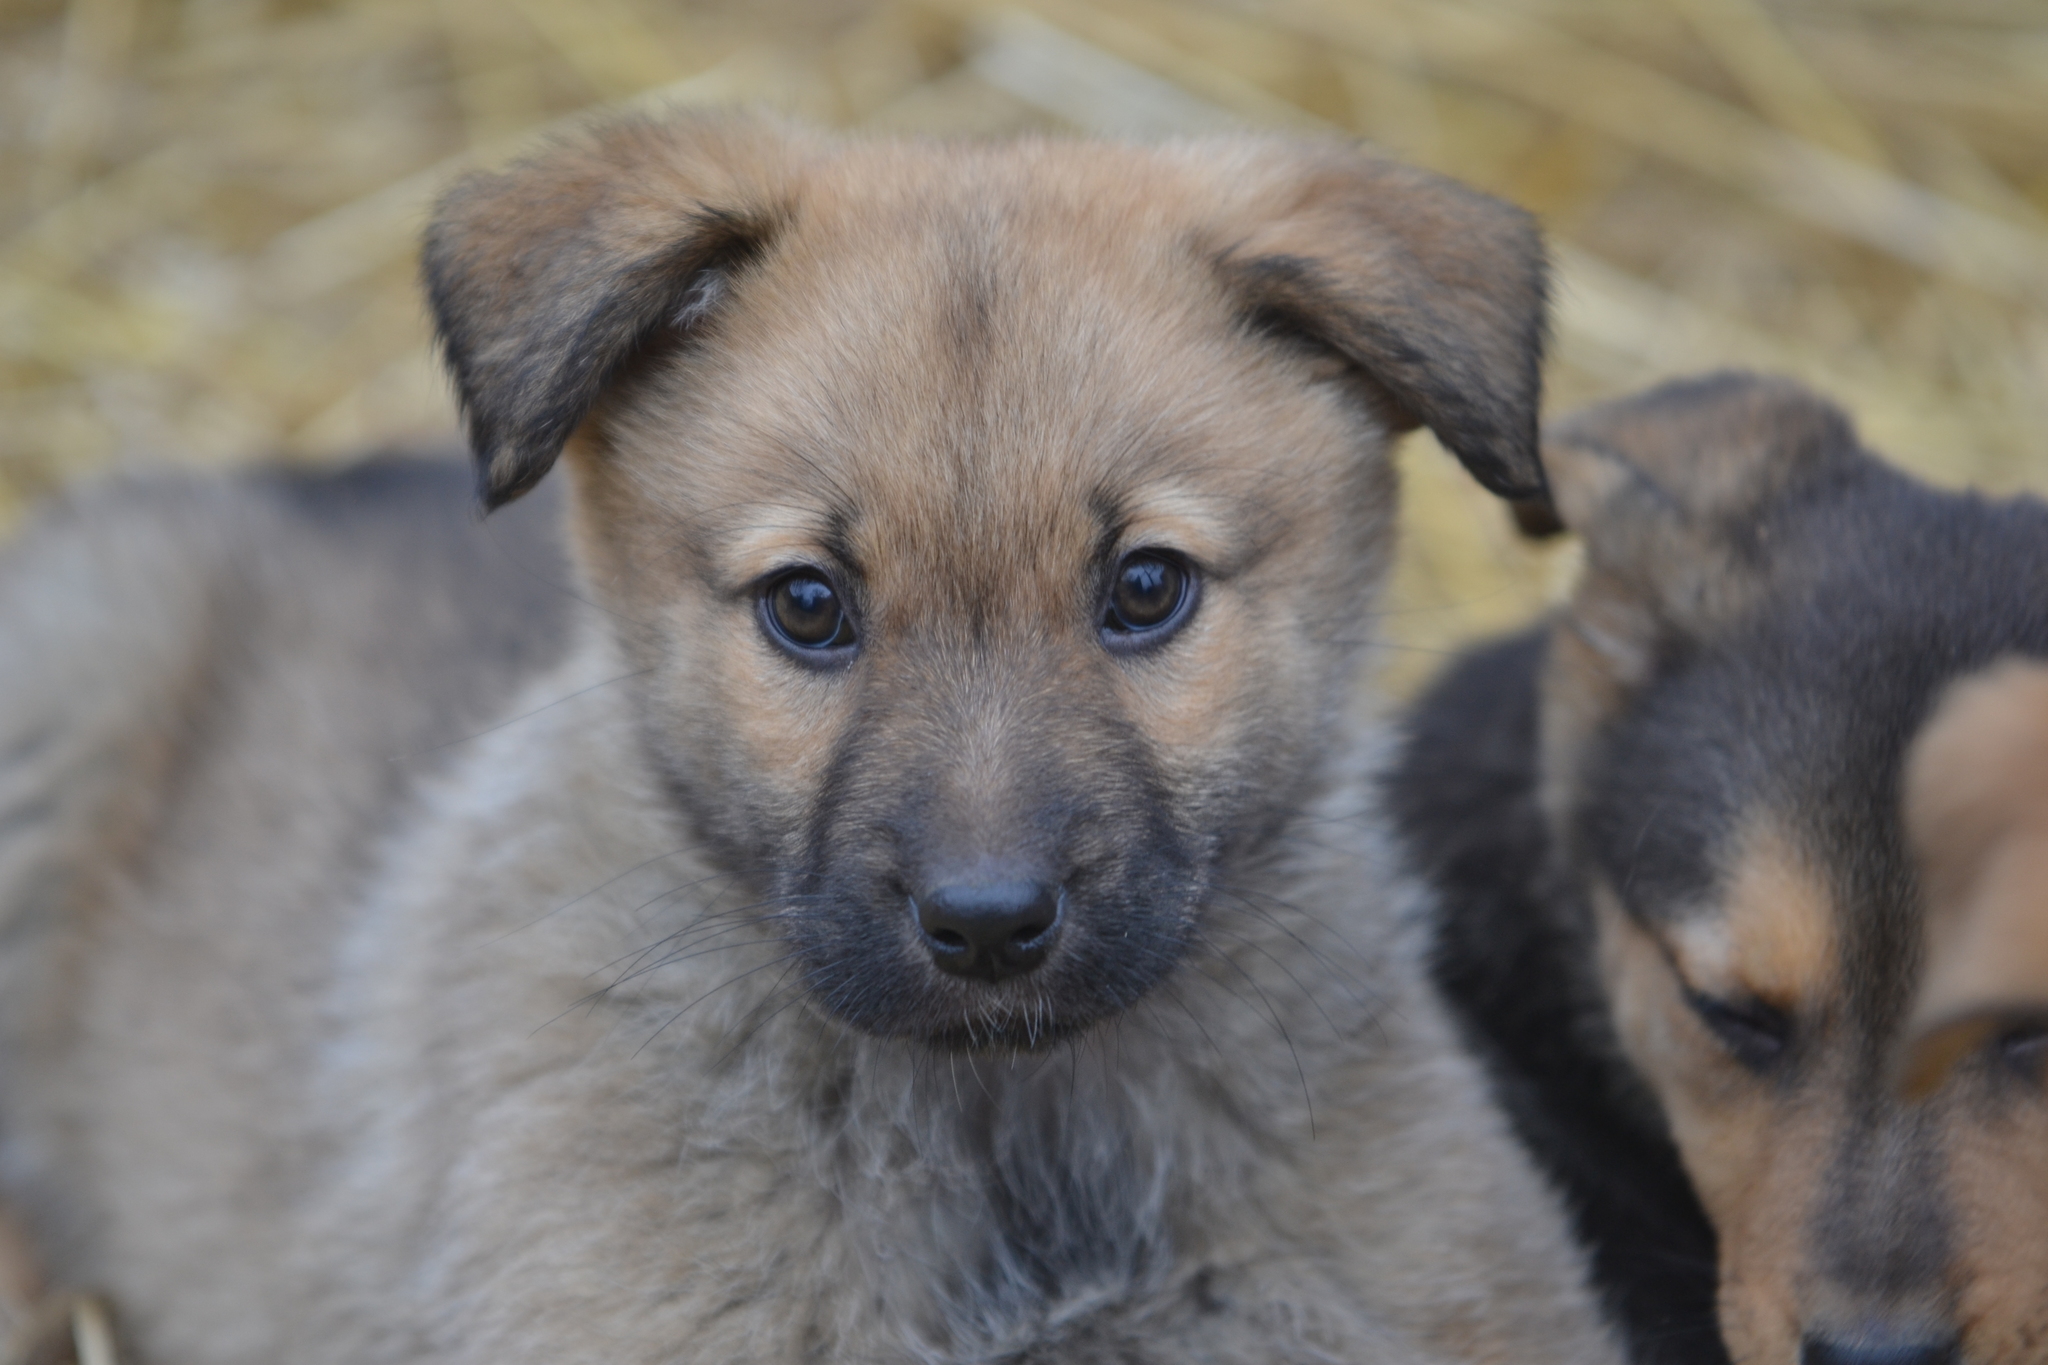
1009, 1020
1025, 1032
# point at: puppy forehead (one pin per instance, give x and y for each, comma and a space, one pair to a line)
919, 516
1032, 362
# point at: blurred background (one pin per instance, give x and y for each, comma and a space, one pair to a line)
208, 208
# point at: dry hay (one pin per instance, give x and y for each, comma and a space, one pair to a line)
207, 232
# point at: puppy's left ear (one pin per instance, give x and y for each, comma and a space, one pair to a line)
1436, 292
1680, 496
549, 278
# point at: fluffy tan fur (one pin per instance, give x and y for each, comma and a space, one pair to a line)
503, 1059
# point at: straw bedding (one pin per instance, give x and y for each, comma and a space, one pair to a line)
208, 208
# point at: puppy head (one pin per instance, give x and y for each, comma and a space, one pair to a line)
997, 525
1765, 619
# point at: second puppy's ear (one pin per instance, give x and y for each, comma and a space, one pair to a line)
1673, 493
548, 278
1434, 291
1975, 805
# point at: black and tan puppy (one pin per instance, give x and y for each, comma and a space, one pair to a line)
1681, 911
932, 912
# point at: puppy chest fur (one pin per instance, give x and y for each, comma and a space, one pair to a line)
933, 912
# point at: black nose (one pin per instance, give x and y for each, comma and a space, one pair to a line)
1879, 1348
990, 930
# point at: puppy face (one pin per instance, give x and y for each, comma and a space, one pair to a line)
995, 527
1767, 617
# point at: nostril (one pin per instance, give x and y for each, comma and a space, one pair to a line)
989, 930
1879, 1347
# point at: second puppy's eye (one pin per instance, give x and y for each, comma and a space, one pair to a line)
1753, 1032
2025, 1048
1152, 592
804, 612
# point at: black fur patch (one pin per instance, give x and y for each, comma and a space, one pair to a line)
1514, 958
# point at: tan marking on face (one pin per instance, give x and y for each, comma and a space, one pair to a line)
1756, 1152
1772, 938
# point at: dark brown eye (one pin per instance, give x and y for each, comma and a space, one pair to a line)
1752, 1031
2023, 1048
1152, 593
803, 611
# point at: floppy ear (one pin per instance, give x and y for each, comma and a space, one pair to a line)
548, 278
1672, 492
1976, 810
1433, 290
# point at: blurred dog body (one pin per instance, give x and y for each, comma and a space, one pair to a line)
1682, 912
970, 537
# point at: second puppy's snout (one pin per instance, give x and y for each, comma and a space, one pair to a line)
989, 929
1881, 1348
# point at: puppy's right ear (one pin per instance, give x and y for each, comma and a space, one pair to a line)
1672, 493
1976, 809
548, 278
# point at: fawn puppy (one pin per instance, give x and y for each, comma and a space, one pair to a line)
922, 902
